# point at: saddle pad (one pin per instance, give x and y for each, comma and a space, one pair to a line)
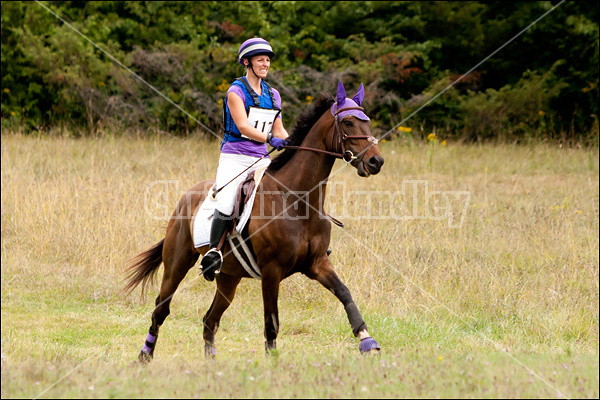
203, 218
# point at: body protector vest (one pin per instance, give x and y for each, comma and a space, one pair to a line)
261, 111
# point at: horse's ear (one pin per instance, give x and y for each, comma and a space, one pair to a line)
341, 94
360, 95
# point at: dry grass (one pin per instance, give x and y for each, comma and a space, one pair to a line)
519, 275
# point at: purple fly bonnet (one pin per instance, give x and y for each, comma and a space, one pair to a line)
343, 102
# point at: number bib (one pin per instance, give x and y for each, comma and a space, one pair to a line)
262, 118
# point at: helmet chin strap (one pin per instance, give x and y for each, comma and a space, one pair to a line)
252, 69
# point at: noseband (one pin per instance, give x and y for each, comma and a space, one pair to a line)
347, 155
338, 140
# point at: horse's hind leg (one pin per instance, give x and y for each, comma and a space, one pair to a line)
226, 286
178, 258
323, 272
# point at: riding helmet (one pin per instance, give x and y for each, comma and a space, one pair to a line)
253, 47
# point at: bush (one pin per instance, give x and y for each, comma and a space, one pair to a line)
545, 84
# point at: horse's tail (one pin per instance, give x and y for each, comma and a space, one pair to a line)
143, 268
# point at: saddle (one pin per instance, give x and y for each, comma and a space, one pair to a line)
240, 249
244, 191
243, 195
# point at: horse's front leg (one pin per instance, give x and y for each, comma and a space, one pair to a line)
271, 278
323, 272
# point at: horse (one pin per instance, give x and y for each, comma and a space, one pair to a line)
327, 130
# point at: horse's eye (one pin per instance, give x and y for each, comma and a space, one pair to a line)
348, 123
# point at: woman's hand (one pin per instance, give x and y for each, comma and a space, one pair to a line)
278, 143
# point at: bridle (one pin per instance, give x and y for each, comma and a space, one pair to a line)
344, 154
338, 140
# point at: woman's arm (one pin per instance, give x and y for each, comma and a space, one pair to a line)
238, 113
278, 129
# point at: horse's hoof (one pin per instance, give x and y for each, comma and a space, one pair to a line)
144, 358
369, 346
210, 352
372, 352
271, 347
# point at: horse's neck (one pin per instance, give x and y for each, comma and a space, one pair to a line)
307, 170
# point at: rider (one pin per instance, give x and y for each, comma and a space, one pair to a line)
251, 119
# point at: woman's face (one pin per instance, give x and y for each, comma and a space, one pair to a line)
261, 65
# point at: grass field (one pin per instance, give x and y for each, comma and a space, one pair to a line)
504, 304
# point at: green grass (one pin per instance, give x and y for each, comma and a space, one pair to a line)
294, 374
505, 305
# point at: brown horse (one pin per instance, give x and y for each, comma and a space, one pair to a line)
282, 246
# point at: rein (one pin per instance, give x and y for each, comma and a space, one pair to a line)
344, 154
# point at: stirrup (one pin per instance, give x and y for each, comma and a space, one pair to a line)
211, 264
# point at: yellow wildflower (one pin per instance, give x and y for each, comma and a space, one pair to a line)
443, 143
431, 136
12, 113
309, 99
541, 113
223, 86
6, 90
404, 129
440, 358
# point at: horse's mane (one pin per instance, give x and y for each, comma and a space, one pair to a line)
305, 122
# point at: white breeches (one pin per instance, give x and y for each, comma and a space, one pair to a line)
231, 165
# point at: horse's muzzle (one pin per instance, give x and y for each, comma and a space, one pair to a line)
374, 165
368, 168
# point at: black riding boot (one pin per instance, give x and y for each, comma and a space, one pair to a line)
212, 261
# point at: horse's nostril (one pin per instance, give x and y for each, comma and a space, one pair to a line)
376, 162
